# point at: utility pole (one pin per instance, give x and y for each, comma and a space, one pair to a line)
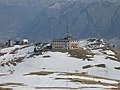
68, 26
68, 32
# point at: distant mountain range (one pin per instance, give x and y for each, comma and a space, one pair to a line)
46, 19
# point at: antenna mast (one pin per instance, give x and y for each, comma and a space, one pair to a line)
68, 33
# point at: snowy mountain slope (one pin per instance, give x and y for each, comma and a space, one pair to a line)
60, 70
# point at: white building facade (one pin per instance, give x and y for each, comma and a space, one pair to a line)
65, 44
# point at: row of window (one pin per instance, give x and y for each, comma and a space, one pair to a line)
58, 47
60, 41
65, 41
72, 44
57, 44
74, 41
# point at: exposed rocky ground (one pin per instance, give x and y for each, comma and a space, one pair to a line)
96, 66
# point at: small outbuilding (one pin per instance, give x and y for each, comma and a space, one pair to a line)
25, 41
9, 43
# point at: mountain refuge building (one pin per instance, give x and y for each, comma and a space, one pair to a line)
65, 43
68, 42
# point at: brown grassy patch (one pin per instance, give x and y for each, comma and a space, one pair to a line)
13, 62
3, 74
118, 68
84, 81
59, 50
25, 46
6, 88
111, 58
14, 51
80, 53
77, 53
47, 56
56, 88
118, 56
89, 59
115, 50
19, 59
90, 76
87, 66
114, 89
100, 65
14, 84
117, 53
2, 54
40, 73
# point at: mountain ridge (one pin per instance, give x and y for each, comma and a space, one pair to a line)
87, 19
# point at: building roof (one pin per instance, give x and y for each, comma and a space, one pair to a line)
65, 39
25, 40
